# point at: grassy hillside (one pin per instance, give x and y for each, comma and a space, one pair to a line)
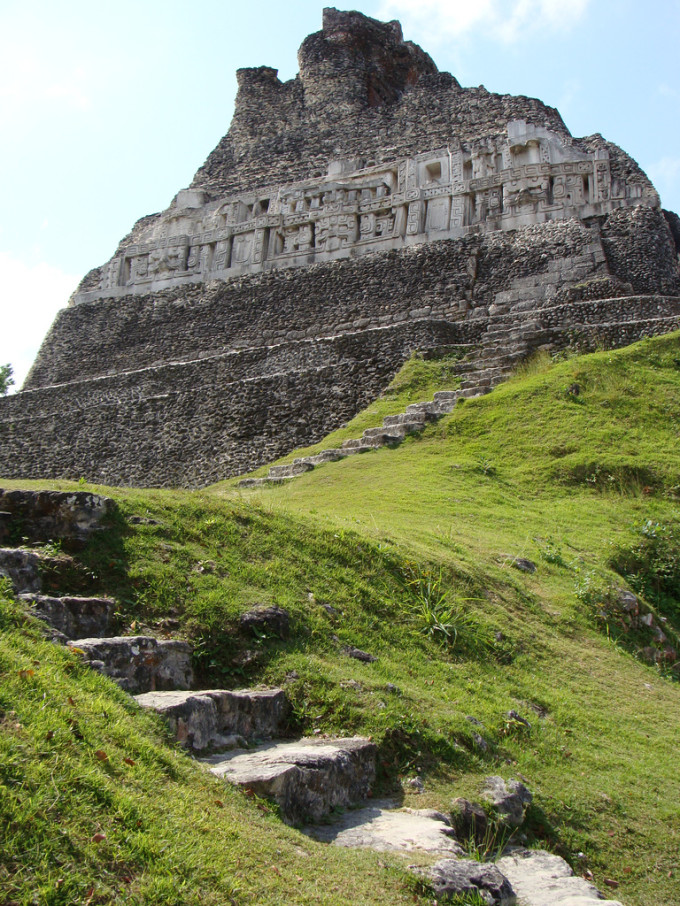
406, 553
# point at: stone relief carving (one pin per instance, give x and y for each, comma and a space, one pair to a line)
528, 175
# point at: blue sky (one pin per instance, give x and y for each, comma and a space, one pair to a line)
109, 108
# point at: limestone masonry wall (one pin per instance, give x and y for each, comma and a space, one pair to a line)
197, 422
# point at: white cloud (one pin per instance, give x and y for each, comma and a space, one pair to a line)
505, 20
31, 296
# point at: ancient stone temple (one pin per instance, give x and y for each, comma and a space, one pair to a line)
368, 208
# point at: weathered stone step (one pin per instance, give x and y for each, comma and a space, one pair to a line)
482, 384
318, 459
428, 409
290, 470
542, 879
415, 419
383, 436
359, 444
218, 717
468, 393
73, 617
463, 878
307, 778
262, 482
384, 827
22, 568
139, 663
70, 516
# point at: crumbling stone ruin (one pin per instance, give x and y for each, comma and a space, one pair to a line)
366, 209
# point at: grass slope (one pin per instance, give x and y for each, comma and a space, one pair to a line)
411, 547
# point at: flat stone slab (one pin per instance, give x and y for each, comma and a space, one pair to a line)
383, 827
307, 778
219, 717
22, 568
73, 617
51, 515
542, 879
461, 877
139, 663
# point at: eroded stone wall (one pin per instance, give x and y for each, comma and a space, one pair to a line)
197, 422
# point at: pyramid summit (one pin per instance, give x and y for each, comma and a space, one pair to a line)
369, 208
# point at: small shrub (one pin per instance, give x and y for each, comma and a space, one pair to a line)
551, 552
651, 564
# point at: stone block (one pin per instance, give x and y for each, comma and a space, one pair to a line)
70, 516
216, 717
308, 778
22, 568
383, 827
464, 877
73, 617
139, 663
543, 879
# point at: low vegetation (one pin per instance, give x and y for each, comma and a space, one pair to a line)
409, 554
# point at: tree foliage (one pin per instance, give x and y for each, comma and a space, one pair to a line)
6, 379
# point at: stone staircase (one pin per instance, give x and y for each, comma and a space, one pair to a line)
241, 736
393, 430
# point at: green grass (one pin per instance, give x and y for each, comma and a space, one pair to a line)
412, 547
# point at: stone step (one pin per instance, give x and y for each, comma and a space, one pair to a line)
139, 663
70, 516
468, 394
22, 568
318, 459
262, 482
384, 827
463, 879
405, 418
482, 384
359, 443
360, 447
290, 470
542, 879
73, 617
427, 409
307, 778
217, 718
382, 436
398, 430
445, 395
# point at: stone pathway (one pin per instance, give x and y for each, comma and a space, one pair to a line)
385, 827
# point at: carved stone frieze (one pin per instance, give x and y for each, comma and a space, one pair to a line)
527, 175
